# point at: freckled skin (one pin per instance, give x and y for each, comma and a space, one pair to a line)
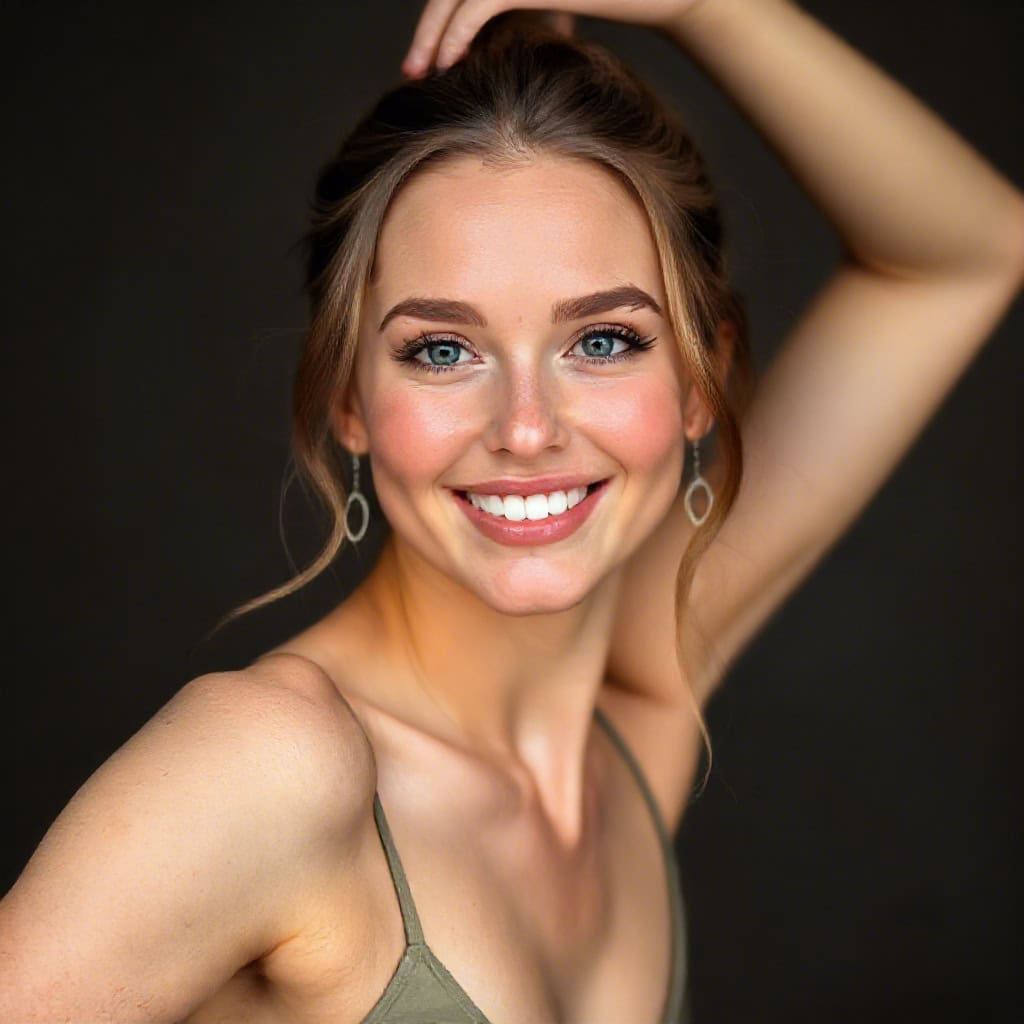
511, 242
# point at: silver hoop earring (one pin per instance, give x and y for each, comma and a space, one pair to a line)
356, 498
698, 483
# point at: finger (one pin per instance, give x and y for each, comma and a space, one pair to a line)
469, 18
565, 24
429, 29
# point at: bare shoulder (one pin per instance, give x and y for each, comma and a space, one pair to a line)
185, 855
289, 735
290, 700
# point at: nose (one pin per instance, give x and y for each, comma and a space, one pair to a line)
527, 413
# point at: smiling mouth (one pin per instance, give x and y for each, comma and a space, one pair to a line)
533, 507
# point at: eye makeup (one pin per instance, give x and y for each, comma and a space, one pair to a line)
427, 342
621, 332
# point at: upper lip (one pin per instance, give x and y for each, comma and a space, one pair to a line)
538, 485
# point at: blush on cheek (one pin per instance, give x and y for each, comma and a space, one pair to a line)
416, 438
640, 424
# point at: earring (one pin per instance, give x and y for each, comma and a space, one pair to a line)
356, 498
698, 483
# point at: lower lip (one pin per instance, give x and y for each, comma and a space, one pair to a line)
529, 532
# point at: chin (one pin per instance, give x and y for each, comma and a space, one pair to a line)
539, 606
540, 595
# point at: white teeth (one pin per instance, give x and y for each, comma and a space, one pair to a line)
516, 508
537, 506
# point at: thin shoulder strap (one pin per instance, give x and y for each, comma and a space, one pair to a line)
410, 919
674, 1004
627, 754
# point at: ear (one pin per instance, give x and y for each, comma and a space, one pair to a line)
697, 416
348, 423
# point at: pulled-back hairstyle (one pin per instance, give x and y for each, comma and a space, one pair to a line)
522, 90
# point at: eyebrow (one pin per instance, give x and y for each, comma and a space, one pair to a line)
457, 312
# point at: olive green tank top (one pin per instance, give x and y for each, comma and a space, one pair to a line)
422, 991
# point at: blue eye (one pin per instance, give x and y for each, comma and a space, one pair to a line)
598, 344
602, 345
442, 353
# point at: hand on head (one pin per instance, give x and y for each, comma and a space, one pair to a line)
447, 27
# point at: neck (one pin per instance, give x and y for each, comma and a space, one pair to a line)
518, 690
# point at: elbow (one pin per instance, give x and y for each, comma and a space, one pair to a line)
1009, 253
996, 263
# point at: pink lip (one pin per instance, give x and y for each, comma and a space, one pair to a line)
527, 532
538, 485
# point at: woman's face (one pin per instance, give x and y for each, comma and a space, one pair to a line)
486, 370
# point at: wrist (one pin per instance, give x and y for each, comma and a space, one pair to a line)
705, 20
688, 13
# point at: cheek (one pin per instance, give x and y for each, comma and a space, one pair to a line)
415, 435
640, 423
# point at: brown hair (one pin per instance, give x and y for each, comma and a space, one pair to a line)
521, 90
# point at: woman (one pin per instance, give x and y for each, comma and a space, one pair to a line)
508, 311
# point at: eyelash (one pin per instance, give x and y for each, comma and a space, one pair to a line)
411, 348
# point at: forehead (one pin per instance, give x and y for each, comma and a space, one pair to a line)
536, 230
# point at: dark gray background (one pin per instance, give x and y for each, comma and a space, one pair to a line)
858, 852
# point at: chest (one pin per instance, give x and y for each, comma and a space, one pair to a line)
528, 931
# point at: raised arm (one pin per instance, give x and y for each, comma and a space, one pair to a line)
177, 862
934, 254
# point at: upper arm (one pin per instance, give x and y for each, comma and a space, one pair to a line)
176, 863
842, 402
845, 396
